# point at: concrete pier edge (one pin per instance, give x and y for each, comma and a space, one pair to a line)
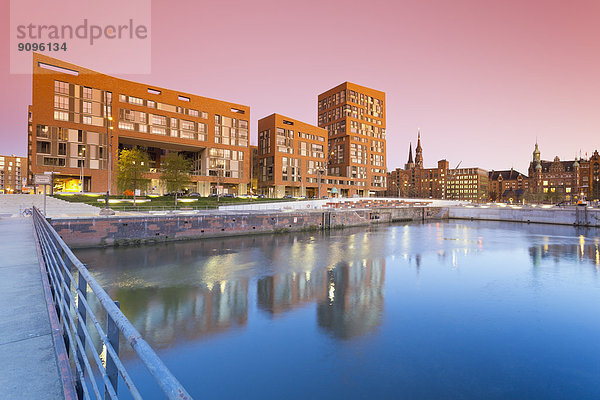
62, 356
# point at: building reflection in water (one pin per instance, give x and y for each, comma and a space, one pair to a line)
353, 305
586, 250
283, 292
185, 291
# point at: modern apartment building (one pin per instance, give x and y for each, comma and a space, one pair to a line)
292, 157
13, 174
354, 117
80, 119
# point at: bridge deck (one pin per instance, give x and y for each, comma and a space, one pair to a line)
28, 360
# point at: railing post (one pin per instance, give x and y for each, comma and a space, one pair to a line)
81, 321
66, 312
112, 332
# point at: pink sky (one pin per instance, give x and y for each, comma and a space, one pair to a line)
480, 78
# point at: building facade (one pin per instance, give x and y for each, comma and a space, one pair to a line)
441, 182
469, 184
13, 174
557, 180
354, 117
508, 184
80, 119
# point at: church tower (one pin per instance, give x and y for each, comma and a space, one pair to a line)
419, 152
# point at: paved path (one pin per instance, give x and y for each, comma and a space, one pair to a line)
28, 365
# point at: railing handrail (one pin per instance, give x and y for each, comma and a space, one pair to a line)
170, 386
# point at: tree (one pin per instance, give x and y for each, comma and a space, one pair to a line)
133, 165
175, 173
493, 195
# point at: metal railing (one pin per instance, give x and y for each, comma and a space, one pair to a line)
71, 283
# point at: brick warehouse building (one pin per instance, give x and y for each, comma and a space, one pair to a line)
442, 182
508, 184
354, 117
80, 118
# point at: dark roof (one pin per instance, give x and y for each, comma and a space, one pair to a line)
507, 174
567, 165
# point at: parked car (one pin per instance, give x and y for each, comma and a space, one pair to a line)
193, 194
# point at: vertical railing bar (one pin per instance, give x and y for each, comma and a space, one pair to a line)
110, 350
81, 291
113, 338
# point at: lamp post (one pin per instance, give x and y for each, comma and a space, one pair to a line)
82, 155
320, 171
397, 187
109, 135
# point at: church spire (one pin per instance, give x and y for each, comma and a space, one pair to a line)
419, 152
410, 164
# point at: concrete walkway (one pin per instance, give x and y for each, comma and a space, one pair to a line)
28, 361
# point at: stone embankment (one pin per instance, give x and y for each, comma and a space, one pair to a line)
575, 215
116, 231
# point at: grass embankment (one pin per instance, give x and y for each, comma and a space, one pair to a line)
161, 202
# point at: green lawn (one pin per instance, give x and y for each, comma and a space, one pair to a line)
147, 203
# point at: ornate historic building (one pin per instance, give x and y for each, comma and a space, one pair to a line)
556, 180
507, 185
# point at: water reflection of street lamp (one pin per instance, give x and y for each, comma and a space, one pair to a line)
82, 160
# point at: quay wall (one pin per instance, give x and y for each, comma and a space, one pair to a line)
578, 216
117, 231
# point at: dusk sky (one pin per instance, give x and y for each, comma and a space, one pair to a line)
481, 79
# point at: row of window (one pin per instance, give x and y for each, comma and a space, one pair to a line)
162, 106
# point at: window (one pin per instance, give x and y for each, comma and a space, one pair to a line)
87, 93
61, 102
159, 120
61, 87
187, 125
62, 149
126, 125
87, 107
54, 161
43, 147
87, 119
61, 116
153, 91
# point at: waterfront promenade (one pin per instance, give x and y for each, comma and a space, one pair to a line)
27, 352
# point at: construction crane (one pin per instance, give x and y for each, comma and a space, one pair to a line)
452, 173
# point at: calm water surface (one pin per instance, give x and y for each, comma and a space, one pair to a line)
456, 310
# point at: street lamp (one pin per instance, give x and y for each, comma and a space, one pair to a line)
397, 187
320, 171
82, 155
109, 135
